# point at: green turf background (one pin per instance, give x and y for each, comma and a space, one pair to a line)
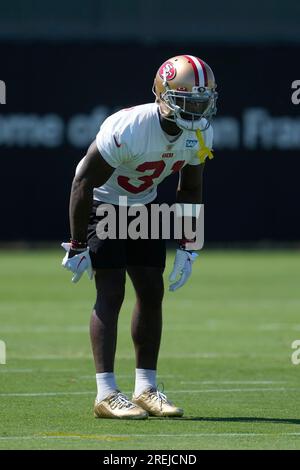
225, 356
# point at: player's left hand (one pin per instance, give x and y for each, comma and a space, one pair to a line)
77, 263
182, 268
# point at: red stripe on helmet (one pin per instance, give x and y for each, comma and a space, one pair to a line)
194, 68
204, 71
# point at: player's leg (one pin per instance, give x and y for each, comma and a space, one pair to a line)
110, 286
145, 266
108, 259
146, 325
110, 402
146, 334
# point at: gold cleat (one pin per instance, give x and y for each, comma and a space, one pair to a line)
117, 405
157, 404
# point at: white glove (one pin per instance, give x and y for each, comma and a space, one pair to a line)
182, 267
78, 263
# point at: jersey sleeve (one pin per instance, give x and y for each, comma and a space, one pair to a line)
113, 141
208, 139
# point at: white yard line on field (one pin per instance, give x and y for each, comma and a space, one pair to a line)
278, 327
43, 394
126, 376
51, 357
231, 382
236, 390
129, 356
73, 371
211, 325
45, 329
213, 390
149, 435
37, 369
160, 376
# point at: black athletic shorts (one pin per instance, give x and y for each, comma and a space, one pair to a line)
119, 253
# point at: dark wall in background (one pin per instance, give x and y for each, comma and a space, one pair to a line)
252, 21
59, 93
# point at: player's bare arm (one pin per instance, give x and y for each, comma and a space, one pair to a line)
189, 191
190, 186
93, 172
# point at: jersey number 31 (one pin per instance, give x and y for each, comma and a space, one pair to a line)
147, 180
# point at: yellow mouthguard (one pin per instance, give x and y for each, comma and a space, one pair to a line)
204, 151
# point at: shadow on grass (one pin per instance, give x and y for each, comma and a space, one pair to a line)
241, 419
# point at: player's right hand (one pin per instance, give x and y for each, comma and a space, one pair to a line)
78, 263
182, 268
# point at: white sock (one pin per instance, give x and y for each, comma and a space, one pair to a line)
106, 384
144, 379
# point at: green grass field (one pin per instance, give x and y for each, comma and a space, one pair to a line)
225, 357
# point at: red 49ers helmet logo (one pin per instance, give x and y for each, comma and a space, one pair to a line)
168, 70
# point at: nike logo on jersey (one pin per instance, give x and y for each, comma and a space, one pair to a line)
116, 142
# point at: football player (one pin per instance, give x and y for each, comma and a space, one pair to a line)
134, 151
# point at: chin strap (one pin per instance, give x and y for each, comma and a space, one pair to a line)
203, 151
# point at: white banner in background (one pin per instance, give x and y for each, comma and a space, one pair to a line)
256, 129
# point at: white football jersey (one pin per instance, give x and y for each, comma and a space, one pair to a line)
133, 142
